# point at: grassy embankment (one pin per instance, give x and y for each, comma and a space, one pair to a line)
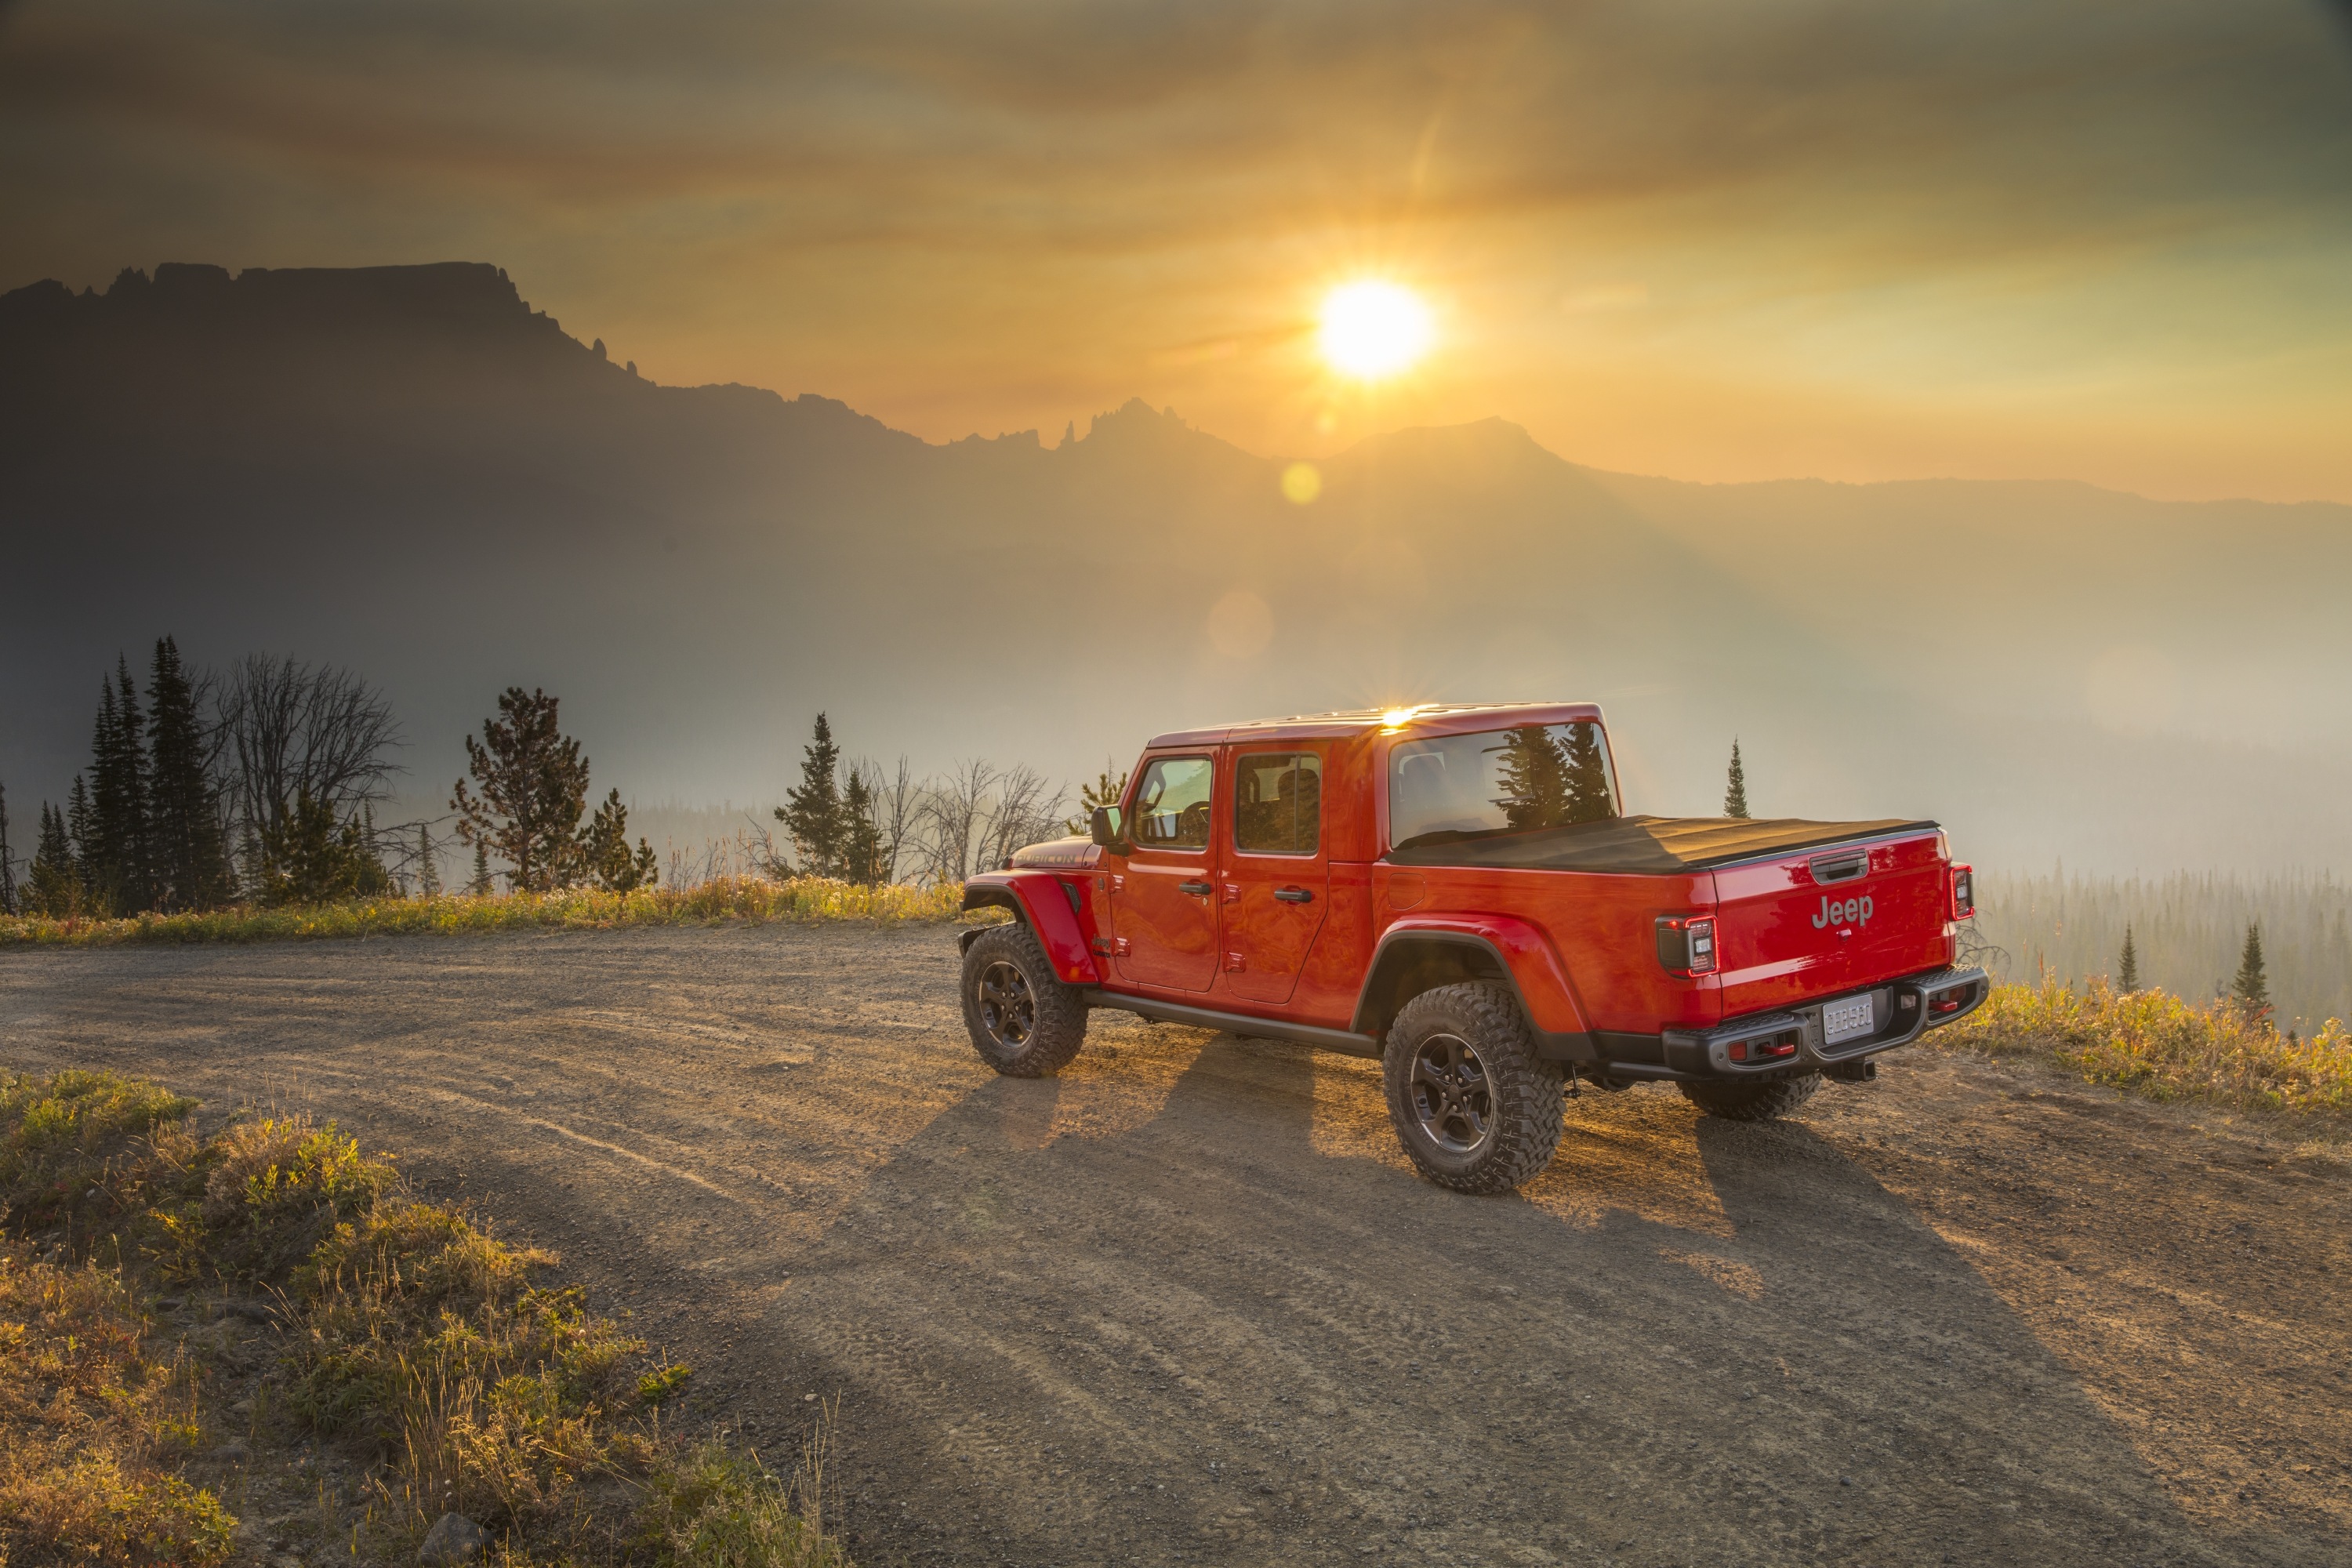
263, 1325
749, 900
2156, 1044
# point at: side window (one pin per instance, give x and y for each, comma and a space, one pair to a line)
1171, 803
1277, 803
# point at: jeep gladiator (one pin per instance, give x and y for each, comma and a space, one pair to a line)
1458, 892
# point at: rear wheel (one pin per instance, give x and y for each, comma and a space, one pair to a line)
1023, 1021
1752, 1102
1476, 1108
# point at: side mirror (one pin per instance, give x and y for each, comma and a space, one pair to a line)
1108, 831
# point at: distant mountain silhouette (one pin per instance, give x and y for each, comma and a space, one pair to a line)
407, 470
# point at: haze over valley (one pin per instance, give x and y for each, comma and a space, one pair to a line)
408, 471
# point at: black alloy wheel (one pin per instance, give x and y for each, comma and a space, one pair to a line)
1008, 1008
1475, 1108
1023, 1019
1451, 1095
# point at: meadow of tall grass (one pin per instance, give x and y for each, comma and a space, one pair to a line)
755, 900
2160, 1044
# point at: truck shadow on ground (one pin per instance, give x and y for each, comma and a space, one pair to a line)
1199, 1315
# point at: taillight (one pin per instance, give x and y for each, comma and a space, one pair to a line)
1964, 892
1687, 943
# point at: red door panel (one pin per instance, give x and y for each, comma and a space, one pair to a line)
1164, 900
1277, 882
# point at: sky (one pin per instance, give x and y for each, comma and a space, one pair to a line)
1711, 239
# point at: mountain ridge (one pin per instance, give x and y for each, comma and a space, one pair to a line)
434, 483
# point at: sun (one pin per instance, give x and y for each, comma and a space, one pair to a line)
1372, 329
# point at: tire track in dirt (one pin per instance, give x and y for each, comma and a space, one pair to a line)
1184, 1304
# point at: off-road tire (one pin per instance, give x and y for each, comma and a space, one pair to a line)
1519, 1093
1023, 1021
1752, 1102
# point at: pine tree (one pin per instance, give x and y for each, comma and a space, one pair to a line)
1533, 775
1588, 795
534, 786
2252, 988
80, 821
1105, 791
187, 856
606, 847
480, 886
1735, 789
812, 813
861, 836
114, 844
7, 860
52, 887
428, 874
2127, 966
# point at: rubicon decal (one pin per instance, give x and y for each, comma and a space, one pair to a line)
1853, 911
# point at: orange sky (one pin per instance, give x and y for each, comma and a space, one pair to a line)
1712, 239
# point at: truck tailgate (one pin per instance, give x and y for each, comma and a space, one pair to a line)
1793, 927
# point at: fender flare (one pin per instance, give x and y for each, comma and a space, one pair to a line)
1517, 953
1042, 901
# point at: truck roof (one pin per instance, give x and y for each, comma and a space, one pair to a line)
1420, 719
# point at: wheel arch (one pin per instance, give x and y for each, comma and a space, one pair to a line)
1414, 959
1036, 900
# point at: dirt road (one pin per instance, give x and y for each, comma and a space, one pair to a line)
1185, 1305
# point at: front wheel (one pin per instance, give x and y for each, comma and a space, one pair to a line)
1023, 1021
1753, 1102
1474, 1107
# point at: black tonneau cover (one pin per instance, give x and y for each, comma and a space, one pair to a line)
1640, 845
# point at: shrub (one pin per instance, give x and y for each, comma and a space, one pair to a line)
2156, 1044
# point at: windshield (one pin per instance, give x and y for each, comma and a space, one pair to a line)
1501, 780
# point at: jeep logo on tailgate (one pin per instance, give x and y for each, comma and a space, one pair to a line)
1853, 910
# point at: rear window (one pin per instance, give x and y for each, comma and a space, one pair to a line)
1277, 803
1500, 781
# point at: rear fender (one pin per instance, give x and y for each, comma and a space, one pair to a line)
1416, 954
1038, 899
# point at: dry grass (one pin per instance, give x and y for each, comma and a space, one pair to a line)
2154, 1043
748, 899
94, 1413
413, 1343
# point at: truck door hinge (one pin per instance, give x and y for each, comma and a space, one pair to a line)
1235, 964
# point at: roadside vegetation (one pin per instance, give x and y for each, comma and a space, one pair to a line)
752, 900
2151, 1042
258, 1341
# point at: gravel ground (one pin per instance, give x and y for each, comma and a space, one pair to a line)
1185, 1303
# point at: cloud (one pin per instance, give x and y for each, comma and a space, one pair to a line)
907, 194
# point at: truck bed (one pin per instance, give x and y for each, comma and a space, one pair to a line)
1642, 846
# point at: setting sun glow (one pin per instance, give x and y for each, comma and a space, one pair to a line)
1372, 329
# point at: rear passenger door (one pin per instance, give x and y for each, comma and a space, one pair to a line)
1163, 902
1277, 879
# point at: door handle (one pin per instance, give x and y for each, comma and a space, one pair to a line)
1198, 889
1293, 895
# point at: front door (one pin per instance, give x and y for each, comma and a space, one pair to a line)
1277, 880
1164, 904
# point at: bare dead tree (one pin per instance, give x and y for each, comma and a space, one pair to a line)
1022, 814
953, 813
282, 728
898, 801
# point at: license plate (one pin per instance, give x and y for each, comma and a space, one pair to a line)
1847, 1020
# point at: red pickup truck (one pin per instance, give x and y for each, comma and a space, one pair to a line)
1458, 892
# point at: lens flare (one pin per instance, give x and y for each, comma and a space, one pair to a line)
1372, 329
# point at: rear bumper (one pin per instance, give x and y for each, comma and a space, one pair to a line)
1905, 1009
